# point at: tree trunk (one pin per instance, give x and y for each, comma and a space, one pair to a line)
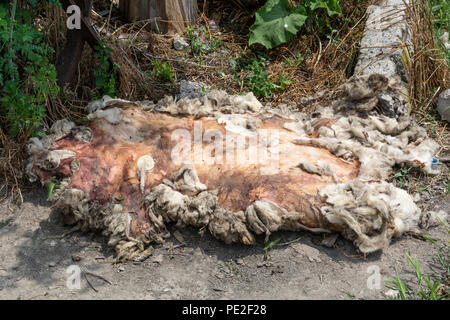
169, 16
68, 59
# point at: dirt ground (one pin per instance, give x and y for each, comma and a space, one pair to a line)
34, 262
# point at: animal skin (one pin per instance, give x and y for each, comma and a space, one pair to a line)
231, 166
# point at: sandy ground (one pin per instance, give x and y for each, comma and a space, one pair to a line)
34, 263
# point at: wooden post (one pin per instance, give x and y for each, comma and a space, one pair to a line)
169, 16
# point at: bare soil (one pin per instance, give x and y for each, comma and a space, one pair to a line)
33, 263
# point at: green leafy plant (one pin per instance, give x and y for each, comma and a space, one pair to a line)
257, 78
277, 21
400, 176
105, 73
163, 71
298, 60
269, 245
27, 77
199, 46
440, 20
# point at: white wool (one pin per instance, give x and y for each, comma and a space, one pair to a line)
421, 155
374, 211
248, 102
112, 115
187, 179
144, 164
239, 124
102, 103
297, 127
53, 158
321, 168
62, 127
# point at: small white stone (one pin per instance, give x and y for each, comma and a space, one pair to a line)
391, 293
179, 43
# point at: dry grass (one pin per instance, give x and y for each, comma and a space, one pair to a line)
427, 67
12, 168
428, 73
326, 66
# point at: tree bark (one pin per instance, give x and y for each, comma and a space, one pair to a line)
169, 16
67, 63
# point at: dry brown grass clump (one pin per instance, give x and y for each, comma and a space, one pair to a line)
12, 168
428, 73
426, 64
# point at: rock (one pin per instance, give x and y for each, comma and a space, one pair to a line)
443, 105
52, 243
179, 43
158, 259
52, 264
190, 89
240, 261
76, 258
392, 294
121, 269
330, 240
382, 32
386, 102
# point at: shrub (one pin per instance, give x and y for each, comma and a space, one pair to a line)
105, 73
27, 77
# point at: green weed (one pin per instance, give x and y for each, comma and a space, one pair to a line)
163, 71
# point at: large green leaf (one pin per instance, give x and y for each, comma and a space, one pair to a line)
332, 6
276, 23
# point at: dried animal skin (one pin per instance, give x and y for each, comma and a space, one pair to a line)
128, 154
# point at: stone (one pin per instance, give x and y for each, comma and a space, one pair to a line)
158, 259
383, 30
179, 43
443, 105
191, 89
392, 294
330, 240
